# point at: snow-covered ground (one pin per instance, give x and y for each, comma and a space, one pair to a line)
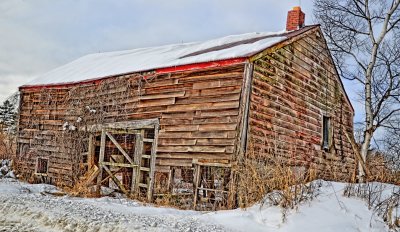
26, 207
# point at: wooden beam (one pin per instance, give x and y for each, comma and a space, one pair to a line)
137, 161
221, 165
93, 173
196, 185
243, 128
213, 190
91, 150
244, 112
128, 125
101, 159
148, 140
119, 165
115, 179
108, 177
119, 147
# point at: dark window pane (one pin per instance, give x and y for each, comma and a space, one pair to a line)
42, 165
325, 131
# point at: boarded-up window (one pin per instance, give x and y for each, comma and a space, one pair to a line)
325, 132
42, 166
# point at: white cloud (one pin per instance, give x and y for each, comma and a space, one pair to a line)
9, 84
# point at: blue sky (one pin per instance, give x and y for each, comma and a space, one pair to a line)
39, 35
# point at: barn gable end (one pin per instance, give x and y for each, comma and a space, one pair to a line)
294, 88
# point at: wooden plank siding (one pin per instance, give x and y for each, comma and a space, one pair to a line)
198, 112
207, 114
292, 89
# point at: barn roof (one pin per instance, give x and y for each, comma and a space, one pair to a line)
101, 65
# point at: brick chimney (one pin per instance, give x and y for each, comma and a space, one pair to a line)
295, 19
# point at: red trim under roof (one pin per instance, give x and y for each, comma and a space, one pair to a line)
187, 67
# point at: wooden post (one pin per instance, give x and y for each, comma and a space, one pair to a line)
152, 163
115, 179
137, 160
101, 159
196, 185
119, 147
91, 149
241, 142
244, 112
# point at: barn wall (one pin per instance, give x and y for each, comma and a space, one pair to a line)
292, 89
198, 112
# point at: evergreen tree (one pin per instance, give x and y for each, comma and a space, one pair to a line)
8, 116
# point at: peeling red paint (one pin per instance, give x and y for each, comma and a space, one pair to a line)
220, 63
212, 64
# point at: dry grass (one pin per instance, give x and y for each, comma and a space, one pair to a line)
7, 145
269, 178
382, 169
80, 189
258, 179
175, 201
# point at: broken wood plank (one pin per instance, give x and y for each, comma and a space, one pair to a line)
116, 181
217, 149
91, 175
119, 147
119, 164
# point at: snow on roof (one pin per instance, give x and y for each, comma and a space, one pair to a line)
99, 65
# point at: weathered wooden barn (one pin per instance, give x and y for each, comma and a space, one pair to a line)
176, 119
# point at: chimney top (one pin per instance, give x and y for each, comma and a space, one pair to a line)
295, 19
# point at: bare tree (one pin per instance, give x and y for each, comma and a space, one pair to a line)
364, 38
391, 146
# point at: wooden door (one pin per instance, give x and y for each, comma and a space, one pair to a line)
137, 156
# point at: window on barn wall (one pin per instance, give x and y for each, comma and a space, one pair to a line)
42, 166
326, 121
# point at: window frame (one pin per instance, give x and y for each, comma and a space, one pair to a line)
326, 132
38, 159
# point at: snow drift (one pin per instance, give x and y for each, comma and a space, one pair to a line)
26, 207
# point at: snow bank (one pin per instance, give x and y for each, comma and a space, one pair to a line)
330, 211
26, 207
29, 208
